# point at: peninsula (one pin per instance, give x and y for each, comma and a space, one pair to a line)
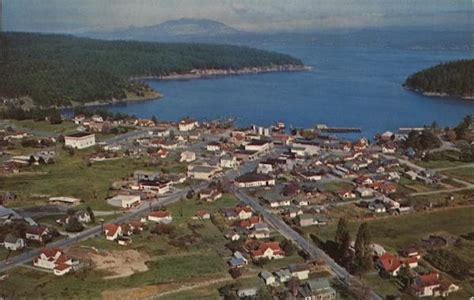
62, 70
454, 79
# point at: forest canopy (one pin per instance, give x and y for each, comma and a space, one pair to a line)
453, 79
58, 69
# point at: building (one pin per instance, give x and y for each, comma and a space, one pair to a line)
317, 289
38, 234
13, 243
260, 146
229, 162
65, 200
203, 172
187, 156
268, 277
270, 250
252, 180
112, 231
160, 216
187, 125
80, 140
126, 201
54, 259
300, 271
213, 147
209, 195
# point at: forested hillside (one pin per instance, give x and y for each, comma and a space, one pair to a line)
453, 79
58, 69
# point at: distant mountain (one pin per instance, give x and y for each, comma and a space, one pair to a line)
170, 30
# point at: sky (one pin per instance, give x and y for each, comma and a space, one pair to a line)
250, 15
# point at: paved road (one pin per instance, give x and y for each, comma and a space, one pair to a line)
95, 231
290, 234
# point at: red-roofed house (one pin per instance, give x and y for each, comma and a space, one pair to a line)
53, 259
426, 285
269, 250
37, 233
202, 215
250, 222
389, 263
160, 216
112, 231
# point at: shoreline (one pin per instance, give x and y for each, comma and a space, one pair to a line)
438, 95
212, 73
156, 96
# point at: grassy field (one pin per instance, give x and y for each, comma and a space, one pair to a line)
45, 127
466, 174
444, 159
397, 232
73, 176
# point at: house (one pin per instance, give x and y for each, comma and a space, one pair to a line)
300, 271
260, 146
38, 234
268, 277
124, 240
209, 195
300, 202
233, 236
389, 263
410, 251
80, 140
112, 231
252, 180
377, 207
54, 259
13, 243
146, 175
187, 156
203, 172
364, 192
389, 148
260, 231
270, 250
243, 212
161, 187
363, 180
317, 289
202, 215
126, 201
65, 200
426, 285
247, 293
311, 175
187, 124
160, 216
228, 161
250, 222
346, 194
283, 275
388, 188
411, 175
306, 220
281, 202
238, 260
213, 147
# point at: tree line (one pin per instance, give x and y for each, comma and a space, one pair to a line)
59, 69
453, 78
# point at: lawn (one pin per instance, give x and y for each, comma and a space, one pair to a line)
383, 286
397, 232
466, 174
71, 176
444, 159
45, 127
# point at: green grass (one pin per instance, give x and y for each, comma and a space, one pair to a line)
71, 176
397, 232
466, 174
46, 127
383, 286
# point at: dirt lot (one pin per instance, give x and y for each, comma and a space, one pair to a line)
120, 263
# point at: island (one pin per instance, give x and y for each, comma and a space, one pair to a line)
453, 79
51, 70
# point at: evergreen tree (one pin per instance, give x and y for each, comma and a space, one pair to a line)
363, 255
91, 214
74, 225
343, 242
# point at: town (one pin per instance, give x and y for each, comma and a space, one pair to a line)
97, 204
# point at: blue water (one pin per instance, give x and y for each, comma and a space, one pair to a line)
349, 86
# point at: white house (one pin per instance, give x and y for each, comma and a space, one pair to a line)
187, 156
80, 140
54, 259
300, 271
203, 172
270, 250
213, 147
126, 201
228, 161
13, 243
250, 180
160, 216
259, 146
112, 231
268, 277
187, 125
